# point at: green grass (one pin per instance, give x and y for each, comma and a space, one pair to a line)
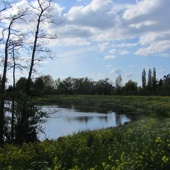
152, 106
141, 144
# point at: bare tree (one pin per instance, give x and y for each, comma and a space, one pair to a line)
42, 12
3, 7
8, 35
15, 46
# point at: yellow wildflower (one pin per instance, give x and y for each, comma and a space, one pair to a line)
165, 159
158, 140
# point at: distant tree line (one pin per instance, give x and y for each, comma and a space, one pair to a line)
47, 85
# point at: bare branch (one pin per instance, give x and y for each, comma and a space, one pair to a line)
6, 5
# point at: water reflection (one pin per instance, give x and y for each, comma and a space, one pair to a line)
65, 120
79, 119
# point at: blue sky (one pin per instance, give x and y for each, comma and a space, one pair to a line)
104, 38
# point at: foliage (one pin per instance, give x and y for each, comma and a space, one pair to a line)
144, 144
45, 84
166, 84
27, 120
130, 88
85, 86
143, 79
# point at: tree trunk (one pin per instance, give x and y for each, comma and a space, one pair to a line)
33, 54
2, 112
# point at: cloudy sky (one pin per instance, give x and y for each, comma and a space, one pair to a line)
104, 38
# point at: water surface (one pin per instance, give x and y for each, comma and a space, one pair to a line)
69, 119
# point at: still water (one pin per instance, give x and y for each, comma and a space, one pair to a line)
66, 120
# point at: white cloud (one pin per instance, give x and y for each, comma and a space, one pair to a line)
101, 21
103, 46
124, 45
150, 37
141, 8
109, 57
155, 48
124, 52
112, 51
115, 71
147, 16
143, 24
96, 14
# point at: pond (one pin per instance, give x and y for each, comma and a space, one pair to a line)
66, 120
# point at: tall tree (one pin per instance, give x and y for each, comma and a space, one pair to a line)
154, 81
42, 16
118, 84
143, 79
8, 34
15, 46
149, 85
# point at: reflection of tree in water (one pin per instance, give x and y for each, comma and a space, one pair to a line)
86, 119
80, 118
105, 118
83, 118
83, 108
118, 119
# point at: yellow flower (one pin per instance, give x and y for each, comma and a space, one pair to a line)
104, 164
9, 167
165, 159
110, 158
158, 140
141, 157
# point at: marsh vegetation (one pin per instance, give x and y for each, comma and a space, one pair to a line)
142, 144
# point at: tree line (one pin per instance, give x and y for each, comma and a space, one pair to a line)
45, 84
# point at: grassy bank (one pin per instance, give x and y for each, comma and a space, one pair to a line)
141, 144
152, 106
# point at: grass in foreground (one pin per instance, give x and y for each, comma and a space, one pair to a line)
141, 144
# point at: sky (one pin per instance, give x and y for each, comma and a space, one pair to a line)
104, 38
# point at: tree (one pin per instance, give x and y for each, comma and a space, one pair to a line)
27, 120
149, 85
131, 88
103, 87
0, 82
118, 84
8, 34
12, 38
154, 81
143, 79
42, 16
166, 84
21, 84
39, 85
67, 86
44, 84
